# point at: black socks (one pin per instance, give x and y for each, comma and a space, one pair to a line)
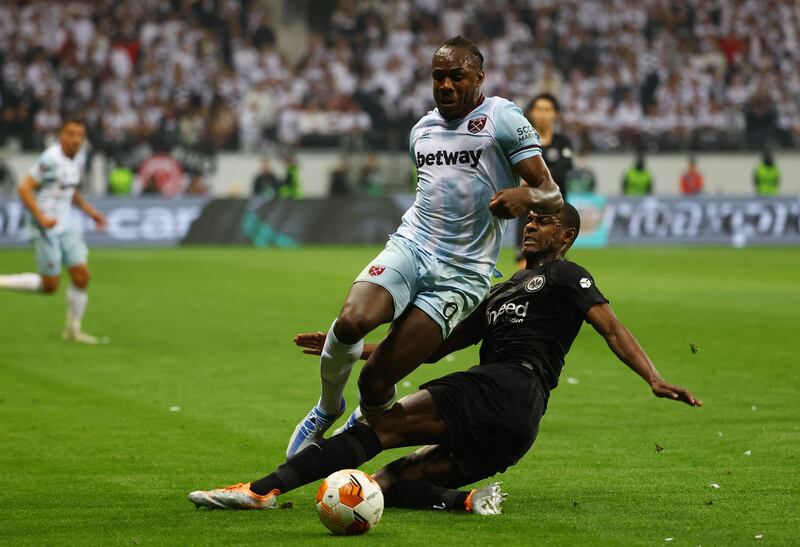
419, 494
348, 450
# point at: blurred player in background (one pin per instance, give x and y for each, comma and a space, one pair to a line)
48, 192
543, 112
470, 152
481, 421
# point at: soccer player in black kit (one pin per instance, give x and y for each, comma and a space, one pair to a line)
478, 422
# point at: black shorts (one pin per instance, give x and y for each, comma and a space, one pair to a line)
492, 414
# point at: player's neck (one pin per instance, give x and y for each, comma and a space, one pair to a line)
70, 156
546, 135
533, 262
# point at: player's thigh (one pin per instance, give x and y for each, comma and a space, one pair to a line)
395, 271
48, 255
414, 336
367, 305
74, 249
450, 297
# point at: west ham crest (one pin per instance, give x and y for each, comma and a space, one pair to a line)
476, 125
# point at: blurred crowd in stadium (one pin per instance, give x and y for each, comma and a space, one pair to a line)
653, 74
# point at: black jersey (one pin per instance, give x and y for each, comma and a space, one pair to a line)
535, 316
558, 157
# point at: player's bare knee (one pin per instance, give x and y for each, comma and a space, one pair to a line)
351, 326
80, 277
373, 385
49, 284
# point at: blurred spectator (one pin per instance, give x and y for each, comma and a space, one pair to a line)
581, 178
120, 181
761, 121
692, 181
8, 181
290, 189
638, 180
628, 73
339, 185
556, 148
767, 176
196, 186
369, 177
265, 182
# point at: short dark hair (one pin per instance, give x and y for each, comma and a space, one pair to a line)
69, 118
461, 42
570, 217
547, 97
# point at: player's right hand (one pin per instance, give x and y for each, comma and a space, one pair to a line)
312, 341
47, 222
511, 202
677, 393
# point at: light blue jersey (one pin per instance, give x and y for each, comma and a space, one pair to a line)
58, 177
461, 164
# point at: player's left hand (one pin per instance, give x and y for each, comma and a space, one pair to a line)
100, 221
510, 203
312, 341
668, 391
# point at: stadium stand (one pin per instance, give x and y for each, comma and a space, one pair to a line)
708, 75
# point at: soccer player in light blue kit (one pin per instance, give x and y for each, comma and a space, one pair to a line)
470, 153
48, 192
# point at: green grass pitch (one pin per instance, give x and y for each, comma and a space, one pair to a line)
91, 452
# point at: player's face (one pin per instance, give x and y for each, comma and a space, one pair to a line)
71, 138
542, 235
542, 114
456, 82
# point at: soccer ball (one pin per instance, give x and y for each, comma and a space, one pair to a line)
349, 502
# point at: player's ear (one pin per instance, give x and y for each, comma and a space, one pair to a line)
569, 235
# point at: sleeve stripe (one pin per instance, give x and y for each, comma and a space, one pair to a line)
524, 148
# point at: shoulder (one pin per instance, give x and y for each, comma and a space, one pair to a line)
566, 272
495, 290
501, 107
51, 154
429, 120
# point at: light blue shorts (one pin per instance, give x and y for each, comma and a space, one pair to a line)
447, 293
53, 250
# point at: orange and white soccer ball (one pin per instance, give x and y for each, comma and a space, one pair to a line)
349, 502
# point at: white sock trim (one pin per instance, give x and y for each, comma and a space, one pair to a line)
336, 363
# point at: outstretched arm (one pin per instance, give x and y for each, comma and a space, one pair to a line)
466, 333
80, 202
627, 348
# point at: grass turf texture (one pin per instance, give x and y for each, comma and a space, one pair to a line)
92, 454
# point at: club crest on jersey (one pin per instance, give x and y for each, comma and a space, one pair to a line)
585, 282
476, 125
534, 283
375, 271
